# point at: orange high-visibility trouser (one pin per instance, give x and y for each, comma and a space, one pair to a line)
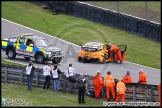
97, 90
108, 89
120, 96
118, 56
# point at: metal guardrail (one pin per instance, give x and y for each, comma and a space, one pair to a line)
135, 92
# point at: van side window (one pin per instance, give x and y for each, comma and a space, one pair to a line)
22, 40
29, 41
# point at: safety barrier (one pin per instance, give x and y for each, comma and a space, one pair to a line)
138, 26
135, 92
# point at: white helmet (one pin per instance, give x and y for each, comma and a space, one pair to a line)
110, 44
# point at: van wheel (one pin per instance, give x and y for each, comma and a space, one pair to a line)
11, 53
39, 58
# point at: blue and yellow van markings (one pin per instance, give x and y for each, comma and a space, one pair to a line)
35, 49
44, 52
4, 43
11, 43
22, 47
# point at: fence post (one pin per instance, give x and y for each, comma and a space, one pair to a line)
103, 91
150, 92
145, 96
117, 6
21, 76
146, 10
6, 69
37, 79
92, 3
134, 94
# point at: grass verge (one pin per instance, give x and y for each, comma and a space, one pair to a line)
40, 97
10, 63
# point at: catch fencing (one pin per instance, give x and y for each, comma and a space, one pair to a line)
141, 9
132, 24
134, 93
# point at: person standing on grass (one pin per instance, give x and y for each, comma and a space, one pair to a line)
56, 80
109, 85
30, 74
120, 90
97, 83
46, 73
69, 72
82, 87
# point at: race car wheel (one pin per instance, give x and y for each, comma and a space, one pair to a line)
84, 60
11, 53
40, 59
79, 59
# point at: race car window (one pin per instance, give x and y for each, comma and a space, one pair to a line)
22, 40
89, 49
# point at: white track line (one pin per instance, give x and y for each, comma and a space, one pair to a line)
65, 41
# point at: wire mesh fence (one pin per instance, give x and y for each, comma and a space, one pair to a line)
147, 10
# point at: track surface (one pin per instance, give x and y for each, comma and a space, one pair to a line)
118, 70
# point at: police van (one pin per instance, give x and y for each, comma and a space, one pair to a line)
31, 46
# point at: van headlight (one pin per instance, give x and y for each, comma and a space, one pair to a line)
48, 53
62, 53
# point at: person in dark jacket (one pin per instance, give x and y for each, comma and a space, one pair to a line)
56, 79
30, 74
81, 90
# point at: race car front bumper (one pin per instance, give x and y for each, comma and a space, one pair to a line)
88, 58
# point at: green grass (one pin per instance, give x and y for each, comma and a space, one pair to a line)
76, 30
40, 97
10, 63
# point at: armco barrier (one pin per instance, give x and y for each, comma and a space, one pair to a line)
109, 18
140, 27
84, 13
100, 16
77, 9
135, 92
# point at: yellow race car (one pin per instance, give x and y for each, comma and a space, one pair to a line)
98, 51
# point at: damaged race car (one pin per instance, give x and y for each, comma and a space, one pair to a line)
97, 51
